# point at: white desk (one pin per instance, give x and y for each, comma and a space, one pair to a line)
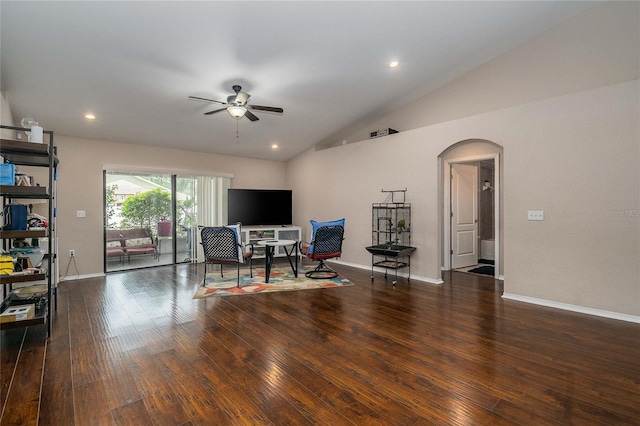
270, 246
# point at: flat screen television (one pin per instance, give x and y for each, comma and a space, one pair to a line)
260, 207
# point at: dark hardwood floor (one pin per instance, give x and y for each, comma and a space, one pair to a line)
134, 348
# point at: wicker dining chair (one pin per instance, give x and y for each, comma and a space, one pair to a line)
222, 246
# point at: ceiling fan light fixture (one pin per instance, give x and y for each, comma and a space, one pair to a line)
236, 112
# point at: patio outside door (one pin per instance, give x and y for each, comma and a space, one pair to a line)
139, 220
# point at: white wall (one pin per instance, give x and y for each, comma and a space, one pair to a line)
80, 186
6, 117
576, 157
565, 108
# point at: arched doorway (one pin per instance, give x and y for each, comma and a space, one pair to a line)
471, 225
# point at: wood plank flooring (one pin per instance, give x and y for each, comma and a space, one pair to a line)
22, 353
134, 348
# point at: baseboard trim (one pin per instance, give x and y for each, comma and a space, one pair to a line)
400, 274
573, 308
81, 277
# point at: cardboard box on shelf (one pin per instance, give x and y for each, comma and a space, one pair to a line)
18, 313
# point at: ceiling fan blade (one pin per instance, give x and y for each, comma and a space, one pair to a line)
266, 108
214, 111
195, 98
251, 116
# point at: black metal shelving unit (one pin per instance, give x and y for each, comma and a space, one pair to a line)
31, 154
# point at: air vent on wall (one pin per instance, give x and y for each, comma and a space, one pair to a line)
382, 132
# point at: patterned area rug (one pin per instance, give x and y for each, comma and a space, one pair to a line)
280, 279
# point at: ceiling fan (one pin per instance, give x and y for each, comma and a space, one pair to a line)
237, 106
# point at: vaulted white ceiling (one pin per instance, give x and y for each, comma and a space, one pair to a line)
133, 64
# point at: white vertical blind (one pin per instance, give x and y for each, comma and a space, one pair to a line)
211, 206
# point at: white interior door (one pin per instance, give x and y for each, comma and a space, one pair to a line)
464, 215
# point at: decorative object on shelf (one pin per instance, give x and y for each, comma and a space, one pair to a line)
391, 234
23, 180
35, 132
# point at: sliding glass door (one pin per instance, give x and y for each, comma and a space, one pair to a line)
138, 220
153, 219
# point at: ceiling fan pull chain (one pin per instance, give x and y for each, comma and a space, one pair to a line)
237, 136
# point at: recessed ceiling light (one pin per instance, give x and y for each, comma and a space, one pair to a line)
274, 146
90, 116
394, 64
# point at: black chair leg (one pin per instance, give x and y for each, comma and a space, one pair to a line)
204, 279
322, 271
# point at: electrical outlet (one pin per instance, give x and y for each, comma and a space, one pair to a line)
535, 215
72, 253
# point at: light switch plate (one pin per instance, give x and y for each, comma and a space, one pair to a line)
81, 213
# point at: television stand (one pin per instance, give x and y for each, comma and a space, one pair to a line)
255, 234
